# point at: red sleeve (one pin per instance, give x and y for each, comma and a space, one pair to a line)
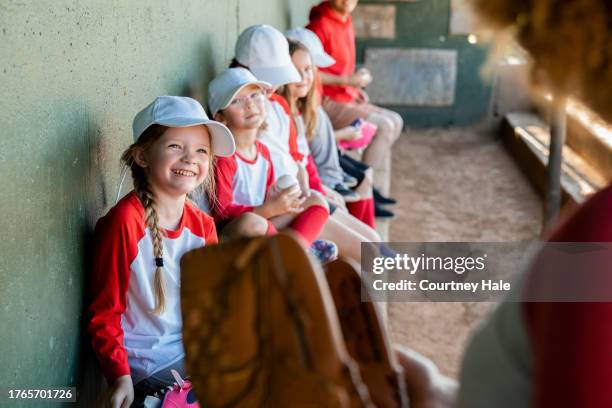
200, 223
224, 207
338, 40
572, 342
293, 134
321, 28
314, 180
211, 231
115, 247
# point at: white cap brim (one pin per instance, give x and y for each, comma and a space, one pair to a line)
323, 60
222, 141
277, 76
226, 102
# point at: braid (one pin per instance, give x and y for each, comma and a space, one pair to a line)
152, 220
146, 197
144, 193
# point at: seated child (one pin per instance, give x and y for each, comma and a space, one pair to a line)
245, 181
302, 100
265, 52
319, 134
135, 310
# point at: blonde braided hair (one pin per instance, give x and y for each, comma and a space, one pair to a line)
152, 220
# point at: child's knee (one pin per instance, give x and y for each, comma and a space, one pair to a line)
251, 225
397, 120
248, 225
316, 198
386, 130
375, 236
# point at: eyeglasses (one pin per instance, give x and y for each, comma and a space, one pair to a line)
243, 101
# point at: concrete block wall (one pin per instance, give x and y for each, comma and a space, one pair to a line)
73, 74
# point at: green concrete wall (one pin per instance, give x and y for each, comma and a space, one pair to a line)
73, 74
425, 24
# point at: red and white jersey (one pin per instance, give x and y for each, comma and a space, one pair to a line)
242, 184
127, 337
277, 136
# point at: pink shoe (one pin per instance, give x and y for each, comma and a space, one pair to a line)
368, 130
181, 395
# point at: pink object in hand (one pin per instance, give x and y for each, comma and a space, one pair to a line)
181, 395
368, 130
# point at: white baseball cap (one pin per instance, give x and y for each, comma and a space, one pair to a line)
312, 42
265, 51
181, 111
223, 89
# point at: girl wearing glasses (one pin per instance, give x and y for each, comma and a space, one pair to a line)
245, 181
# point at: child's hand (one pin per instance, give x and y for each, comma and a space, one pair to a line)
348, 133
288, 201
426, 386
335, 198
121, 393
285, 201
361, 78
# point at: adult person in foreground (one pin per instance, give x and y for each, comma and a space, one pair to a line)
554, 354
343, 97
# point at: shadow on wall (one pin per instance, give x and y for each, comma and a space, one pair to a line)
196, 88
71, 190
90, 382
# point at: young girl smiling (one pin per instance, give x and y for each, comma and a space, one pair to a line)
302, 100
245, 180
136, 316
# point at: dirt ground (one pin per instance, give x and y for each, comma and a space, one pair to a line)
454, 185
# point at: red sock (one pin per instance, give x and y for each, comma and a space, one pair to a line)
271, 229
309, 223
363, 210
